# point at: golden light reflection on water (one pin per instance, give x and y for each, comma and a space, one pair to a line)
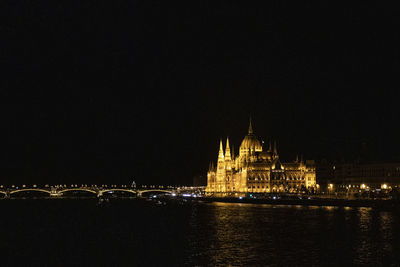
244, 232
236, 226
386, 230
364, 215
363, 244
263, 234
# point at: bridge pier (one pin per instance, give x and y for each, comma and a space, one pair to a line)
54, 193
7, 194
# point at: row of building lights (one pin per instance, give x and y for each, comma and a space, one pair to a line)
362, 186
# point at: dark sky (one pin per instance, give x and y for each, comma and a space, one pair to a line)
107, 91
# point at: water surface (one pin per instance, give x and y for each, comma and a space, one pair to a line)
134, 233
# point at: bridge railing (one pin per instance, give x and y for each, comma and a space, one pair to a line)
58, 190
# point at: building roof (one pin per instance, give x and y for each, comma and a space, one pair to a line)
250, 141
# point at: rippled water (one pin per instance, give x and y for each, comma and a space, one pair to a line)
133, 233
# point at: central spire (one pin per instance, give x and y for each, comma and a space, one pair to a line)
250, 128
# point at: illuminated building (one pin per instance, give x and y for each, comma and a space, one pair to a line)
365, 175
257, 170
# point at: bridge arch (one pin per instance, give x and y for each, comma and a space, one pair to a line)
30, 189
117, 189
140, 192
77, 189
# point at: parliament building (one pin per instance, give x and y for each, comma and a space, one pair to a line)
257, 170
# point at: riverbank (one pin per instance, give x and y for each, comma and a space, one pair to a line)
388, 204
381, 204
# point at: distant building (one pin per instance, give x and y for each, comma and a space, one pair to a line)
325, 174
366, 176
258, 170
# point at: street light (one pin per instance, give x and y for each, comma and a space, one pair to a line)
330, 188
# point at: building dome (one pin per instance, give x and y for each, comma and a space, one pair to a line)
250, 142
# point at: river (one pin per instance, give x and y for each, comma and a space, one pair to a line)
67, 232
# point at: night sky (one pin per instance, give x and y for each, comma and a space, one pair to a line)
110, 91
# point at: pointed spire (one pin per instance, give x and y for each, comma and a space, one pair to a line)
227, 150
275, 149
221, 151
297, 158
250, 128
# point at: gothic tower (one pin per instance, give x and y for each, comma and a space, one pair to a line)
220, 179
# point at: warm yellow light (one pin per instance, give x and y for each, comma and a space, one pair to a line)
363, 186
330, 186
384, 186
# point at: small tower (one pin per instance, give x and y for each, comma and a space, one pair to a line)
227, 151
228, 158
221, 152
211, 167
275, 152
220, 177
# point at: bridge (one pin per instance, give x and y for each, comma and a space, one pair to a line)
60, 190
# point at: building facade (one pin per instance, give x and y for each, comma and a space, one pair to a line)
364, 176
257, 170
